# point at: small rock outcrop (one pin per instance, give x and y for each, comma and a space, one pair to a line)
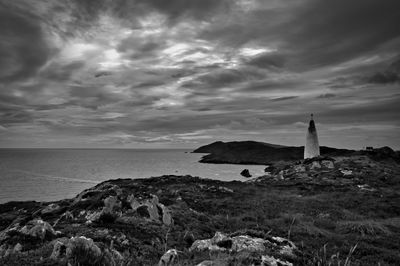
275, 247
83, 251
169, 257
245, 173
151, 209
38, 229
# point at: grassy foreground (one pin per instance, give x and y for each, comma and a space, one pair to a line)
325, 213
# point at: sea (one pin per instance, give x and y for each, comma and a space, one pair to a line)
54, 174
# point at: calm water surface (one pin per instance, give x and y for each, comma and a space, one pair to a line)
53, 174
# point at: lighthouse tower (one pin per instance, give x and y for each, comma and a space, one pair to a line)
312, 146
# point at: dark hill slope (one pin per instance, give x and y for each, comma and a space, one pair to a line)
252, 152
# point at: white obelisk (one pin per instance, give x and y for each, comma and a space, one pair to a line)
312, 146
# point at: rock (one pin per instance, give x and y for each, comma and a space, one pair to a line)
133, 202
59, 250
168, 258
346, 172
207, 263
93, 216
299, 168
225, 189
271, 261
65, 216
151, 209
95, 194
287, 247
17, 248
315, 165
245, 244
366, 187
166, 215
51, 208
3, 250
245, 173
83, 251
111, 203
327, 164
39, 229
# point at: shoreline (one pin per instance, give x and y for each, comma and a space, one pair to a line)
353, 203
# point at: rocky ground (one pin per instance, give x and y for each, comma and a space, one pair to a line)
300, 213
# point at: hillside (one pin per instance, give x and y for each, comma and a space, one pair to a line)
298, 214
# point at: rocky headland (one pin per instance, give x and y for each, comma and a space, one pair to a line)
320, 211
253, 152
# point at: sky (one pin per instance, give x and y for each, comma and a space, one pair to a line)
183, 73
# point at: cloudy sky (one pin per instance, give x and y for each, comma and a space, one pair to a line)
181, 73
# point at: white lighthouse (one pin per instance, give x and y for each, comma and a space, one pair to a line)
311, 149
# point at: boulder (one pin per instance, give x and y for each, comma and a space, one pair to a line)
51, 208
38, 229
17, 248
327, 164
59, 250
166, 215
111, 204
245, 173
168, 258
271, 261
83, 251
151, 209
315, 165
279, 247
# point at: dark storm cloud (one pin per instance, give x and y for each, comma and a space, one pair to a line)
197, 9
268, 60
120, 72
324, 33
284, 98
388, 76
61, 72
23, 49
314, 33
326, 95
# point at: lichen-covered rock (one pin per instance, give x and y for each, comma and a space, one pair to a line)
59, 250
111, 203
168, 258
271, 261
83, 251
17, 247
166, 215
38, 229
51, 208
151, 209
245, 244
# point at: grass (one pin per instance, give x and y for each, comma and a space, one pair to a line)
363, 228
331, 224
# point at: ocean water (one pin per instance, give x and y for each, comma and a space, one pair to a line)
54, 174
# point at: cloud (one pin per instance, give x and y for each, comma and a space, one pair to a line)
268, 60
23, 48
326, 95
184, 72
